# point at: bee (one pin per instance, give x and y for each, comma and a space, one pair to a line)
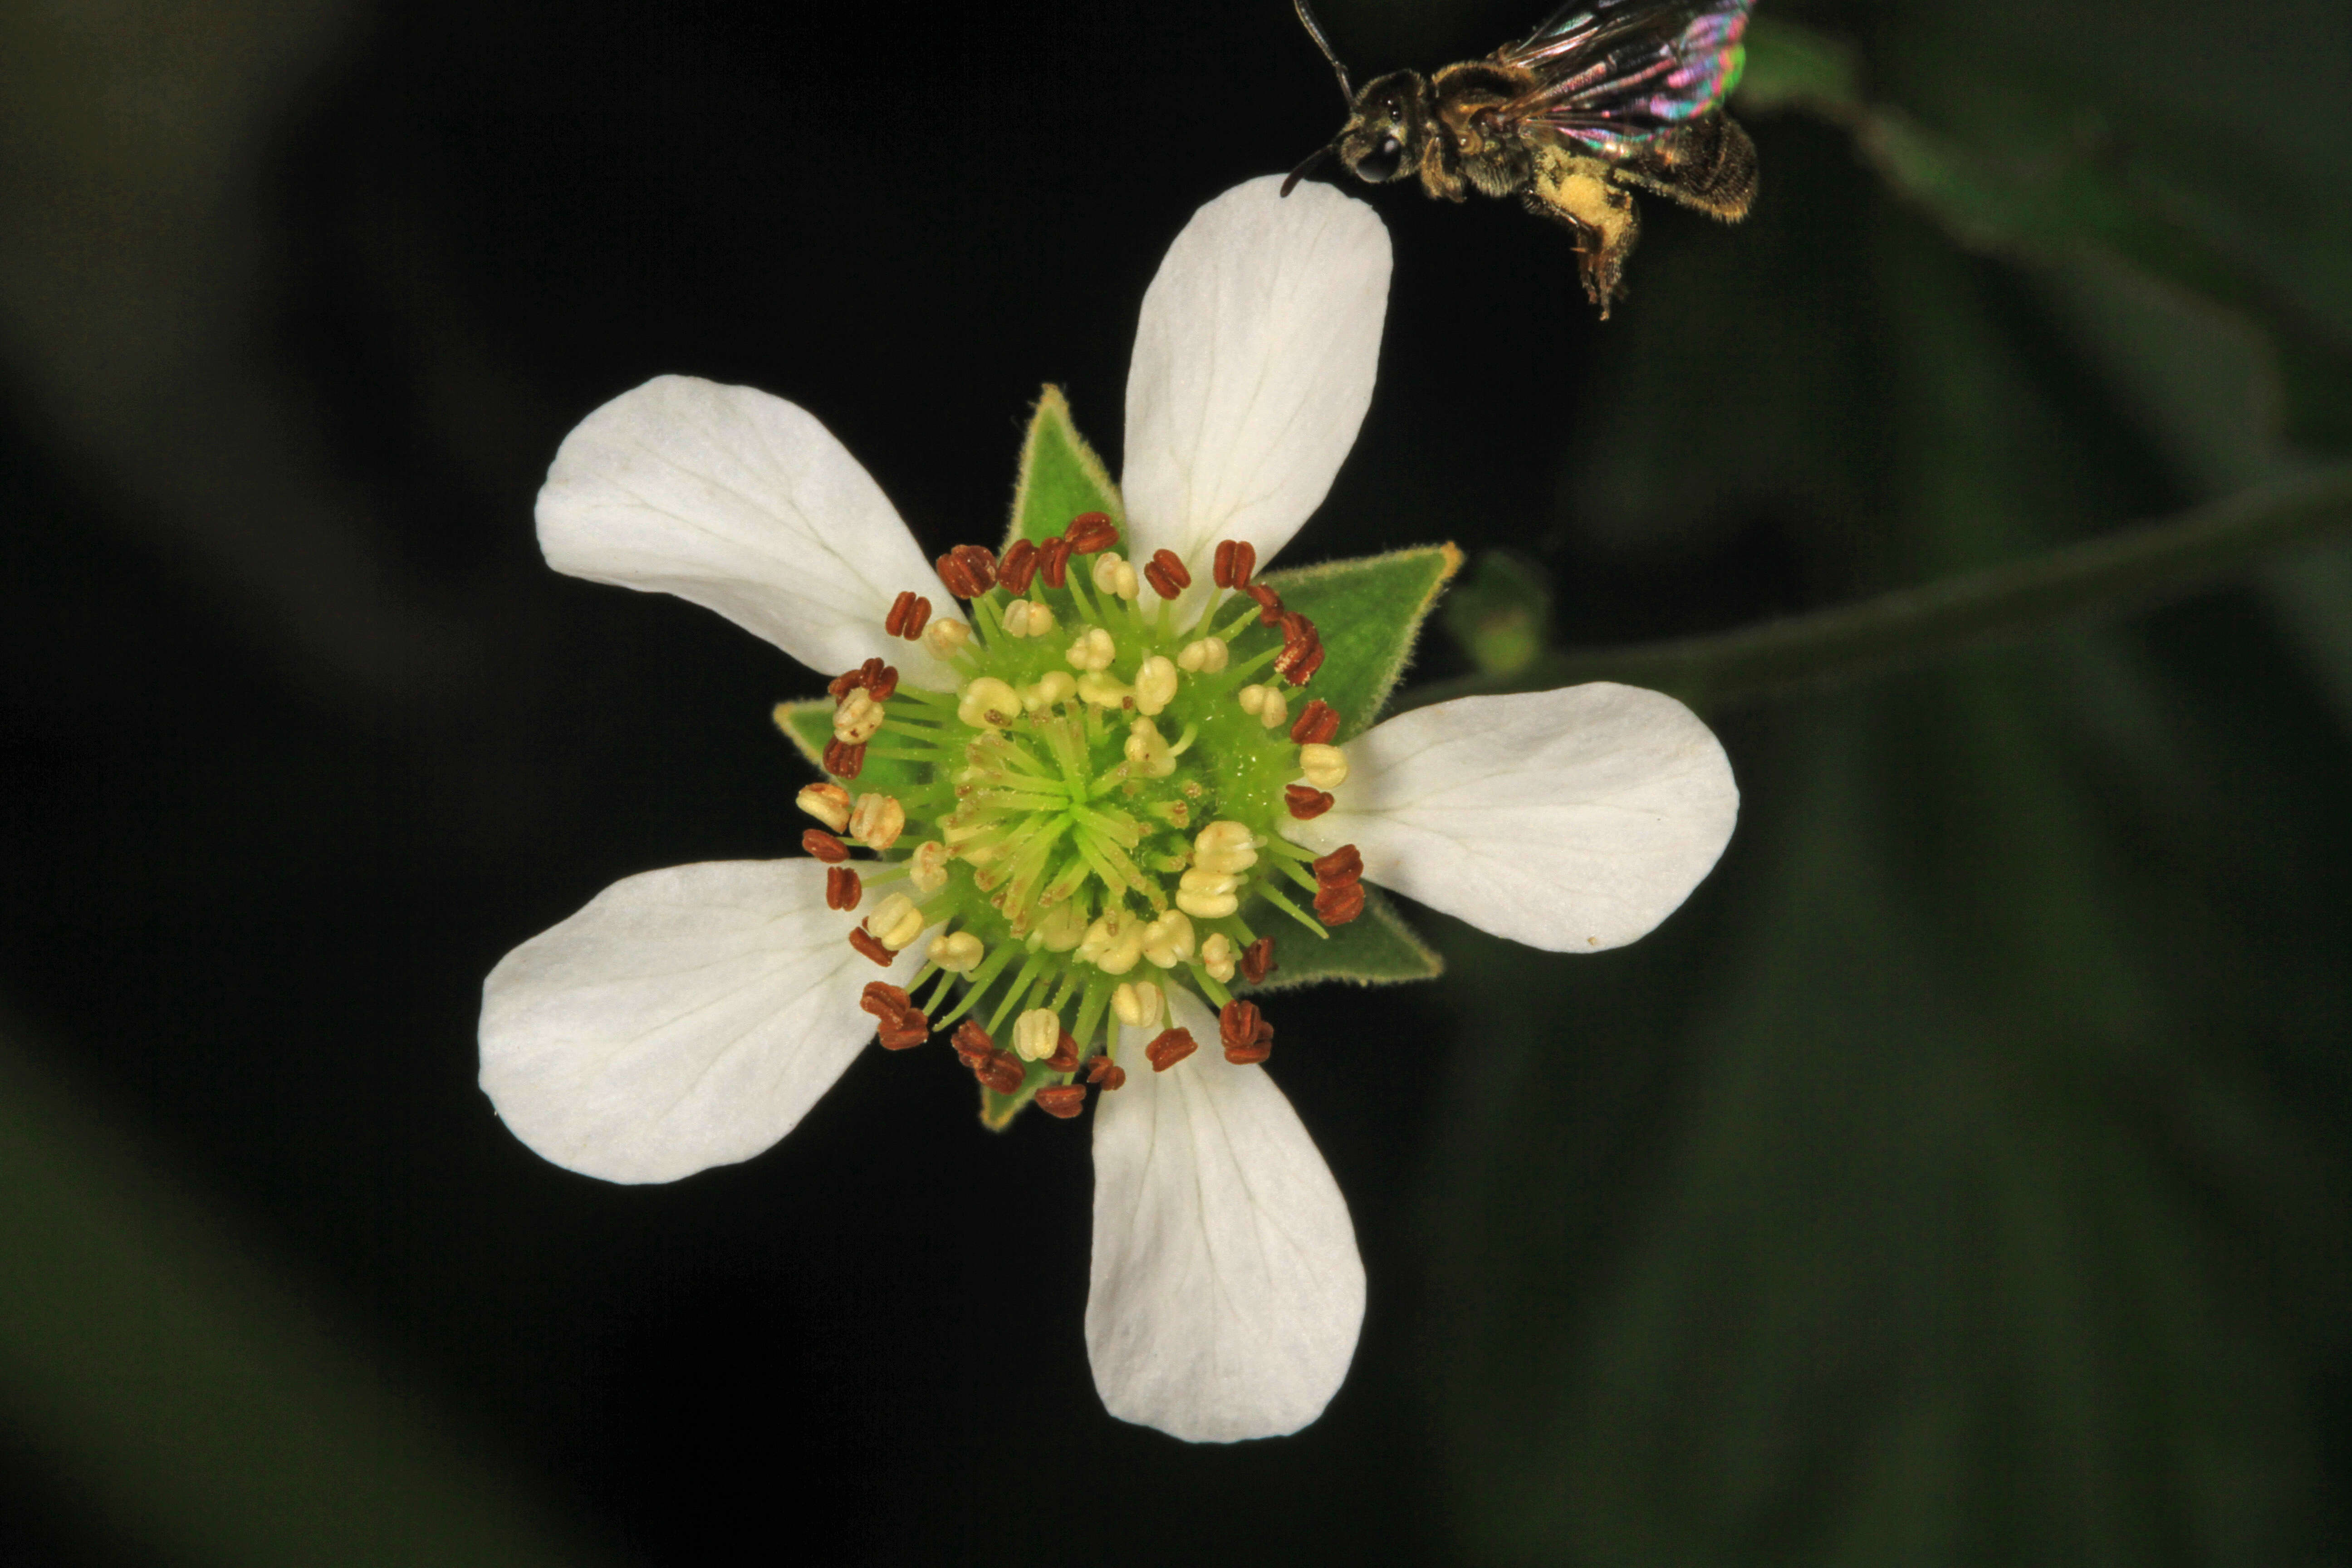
1606, 97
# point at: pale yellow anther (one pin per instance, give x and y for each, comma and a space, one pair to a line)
1138, 1005
1168, 941
1155, 685
1063, 929
1224, 847
1112, 574
1147, 749
857, 719
1207, 895
1055, 686
1325, 767
896, 923
1104, 690
928, 867
1093, 650
946, 637
1036, 1034
1205, 656
1264, 703
1028, 619
988, 704
1218, 957
1114, 943
828, 803
877, 821
958, 953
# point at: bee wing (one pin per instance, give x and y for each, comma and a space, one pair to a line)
1616, 74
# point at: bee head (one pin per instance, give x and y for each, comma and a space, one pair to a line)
1382, 141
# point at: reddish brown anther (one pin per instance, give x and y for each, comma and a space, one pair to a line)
1089, 531
910, 613
885, 684
1247, 1037
863, 940
1172, 1047
1064, 1100
1302, 672
1340, 904
843, 761
1302, 650
1054, 561
1257, 960
899, 1025
1003, 1073
1316, 724
969, 570
1342, 865
1269, 603
1066, 1055
1235, 560
1019, 565
842, 888
1306, 802
1106, 1072
1166, 573
816, 841
850, 680
972, 1044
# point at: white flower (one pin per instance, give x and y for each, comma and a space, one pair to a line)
688, 1017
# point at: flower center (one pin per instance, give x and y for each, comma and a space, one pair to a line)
1089, 816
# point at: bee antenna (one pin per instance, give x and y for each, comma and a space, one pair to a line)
1315, 31
1299, 173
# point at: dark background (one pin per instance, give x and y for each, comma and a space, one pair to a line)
1958, 1177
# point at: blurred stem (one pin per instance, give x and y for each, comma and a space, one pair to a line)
2133, 569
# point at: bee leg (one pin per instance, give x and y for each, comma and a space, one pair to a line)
1601, 213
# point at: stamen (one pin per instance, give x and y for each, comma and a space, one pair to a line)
988, 704
1167, 573
1235, 560
899, 1022
1325, 767
1054, 561
1247, 1037
1302, 650
1107, 1073
1027, 618
1155, 685
828, 803
1266, 703
1019, 565
842, 889
843, 761
863, 943
1318, 724
1257, 960
969, 570
1063, 927
1089, 531
1168, 941
1148, 749
1063, 1100
816, 841
1269, 603
1217, 957
1206, 895
865, 674
1306, 803
1003, 1073
1113, 944
1112, 574
971, 1044
946, 637
1066, 1055
1093, 650
907, 613
1169, 1048
1037, 1034
877, 821
928, 867
1336, 906
1103, 690
957, 952
1053, 685
1225, 846
1342, 865
896, 921
1204, 657
1138, 1005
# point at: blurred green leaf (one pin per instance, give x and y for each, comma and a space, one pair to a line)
1501, 613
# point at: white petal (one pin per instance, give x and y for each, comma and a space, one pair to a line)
685, 1018
743, 504
1226, 1293
1253, 367
1568, 820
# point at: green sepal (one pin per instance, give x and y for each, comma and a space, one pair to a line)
1060, 476
997, 1110
1376, 948
1369, 613
809, 726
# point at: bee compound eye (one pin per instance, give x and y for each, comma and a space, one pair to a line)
1380, 163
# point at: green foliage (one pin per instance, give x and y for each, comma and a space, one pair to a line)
1501, 614
1060, 476
1377, 948
1369, 613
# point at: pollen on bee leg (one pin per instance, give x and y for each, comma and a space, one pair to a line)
1094, 649
928, 867
1167, 574
1112, 574
957, 952
1036, 1034
988, 703
1257, 960
896, 921
1107, 1073
1063, 1100
1089, 531
1138, 1005
1217, 956
1235, 560
1169, 1048
1019, 565
946, 637
843, 761
877, 821
907, 613
1155, 686
1205, 656
842, 888
1247, 1037
1305, 802
1325, 767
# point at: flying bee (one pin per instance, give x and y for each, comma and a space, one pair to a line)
1606, 97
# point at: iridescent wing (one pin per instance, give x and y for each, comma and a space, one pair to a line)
1618, 74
